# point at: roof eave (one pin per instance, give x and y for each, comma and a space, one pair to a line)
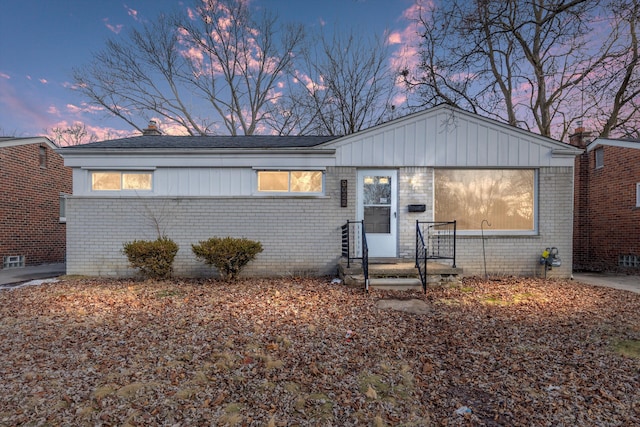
194, 151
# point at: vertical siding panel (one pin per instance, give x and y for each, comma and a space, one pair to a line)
514, 145
398, 154
523, 151
492, 147
503, 149
480, 148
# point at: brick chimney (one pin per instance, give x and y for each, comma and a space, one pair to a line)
581, 237
152, 129
580, 138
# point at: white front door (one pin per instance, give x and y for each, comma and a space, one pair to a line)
377, 206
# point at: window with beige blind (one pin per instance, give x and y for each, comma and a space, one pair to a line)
505, 198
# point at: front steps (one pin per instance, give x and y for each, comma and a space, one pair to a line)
396, 274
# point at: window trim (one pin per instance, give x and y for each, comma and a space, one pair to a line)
122, 171
598, 157
43, 157
638, 195
258, 192
488, 231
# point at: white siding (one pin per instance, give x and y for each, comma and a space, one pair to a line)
180, 182
442, 137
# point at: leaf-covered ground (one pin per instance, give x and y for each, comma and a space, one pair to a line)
516, 352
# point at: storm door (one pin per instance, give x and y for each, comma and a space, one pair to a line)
377, 205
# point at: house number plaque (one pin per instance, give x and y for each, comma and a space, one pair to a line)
343, 193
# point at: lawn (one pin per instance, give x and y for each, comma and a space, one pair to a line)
286, 352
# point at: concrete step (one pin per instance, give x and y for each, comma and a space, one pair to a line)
395, 284
404, 269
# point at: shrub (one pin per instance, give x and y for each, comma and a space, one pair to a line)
228, 255
154, 258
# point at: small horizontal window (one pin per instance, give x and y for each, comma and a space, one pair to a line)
117, 181
304, 182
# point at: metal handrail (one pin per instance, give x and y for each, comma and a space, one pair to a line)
435, 240
421, 257
347, 249
365, 258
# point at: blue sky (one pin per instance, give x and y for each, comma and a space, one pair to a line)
41, 41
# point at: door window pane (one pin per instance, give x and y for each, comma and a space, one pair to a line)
377, 219
377, 190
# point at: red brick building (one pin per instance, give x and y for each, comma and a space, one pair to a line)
606, 204
32, 180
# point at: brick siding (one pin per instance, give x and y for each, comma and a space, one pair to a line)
29, 205
607, 219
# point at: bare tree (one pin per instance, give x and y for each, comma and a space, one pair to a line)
522, 62
76, 134
211, 70
614, 91
344, 84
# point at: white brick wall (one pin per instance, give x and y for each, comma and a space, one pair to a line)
298, 235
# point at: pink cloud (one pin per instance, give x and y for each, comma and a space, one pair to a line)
5, 76
132, 13
43, 81
84, 108
53, 110
114, 28
395, 38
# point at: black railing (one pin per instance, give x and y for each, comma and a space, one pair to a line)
437, 241
421, 259
352, 232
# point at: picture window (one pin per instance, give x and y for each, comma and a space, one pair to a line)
506, 198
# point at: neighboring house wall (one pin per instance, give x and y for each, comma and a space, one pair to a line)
607, 213
300, 235
30, 202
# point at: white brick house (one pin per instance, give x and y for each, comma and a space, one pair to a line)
286, 193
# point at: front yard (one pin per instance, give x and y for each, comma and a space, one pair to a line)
307, 352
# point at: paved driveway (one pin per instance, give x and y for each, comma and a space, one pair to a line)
617, 281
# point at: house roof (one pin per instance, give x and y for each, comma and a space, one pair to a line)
622, 143
6, 141
202, 142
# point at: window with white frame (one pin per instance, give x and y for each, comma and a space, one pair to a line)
291, 181
599, 155
505, 198
638, 195
119, 181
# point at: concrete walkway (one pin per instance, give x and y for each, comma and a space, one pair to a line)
616, 281
12, 276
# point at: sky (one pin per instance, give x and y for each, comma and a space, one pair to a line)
42, 41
